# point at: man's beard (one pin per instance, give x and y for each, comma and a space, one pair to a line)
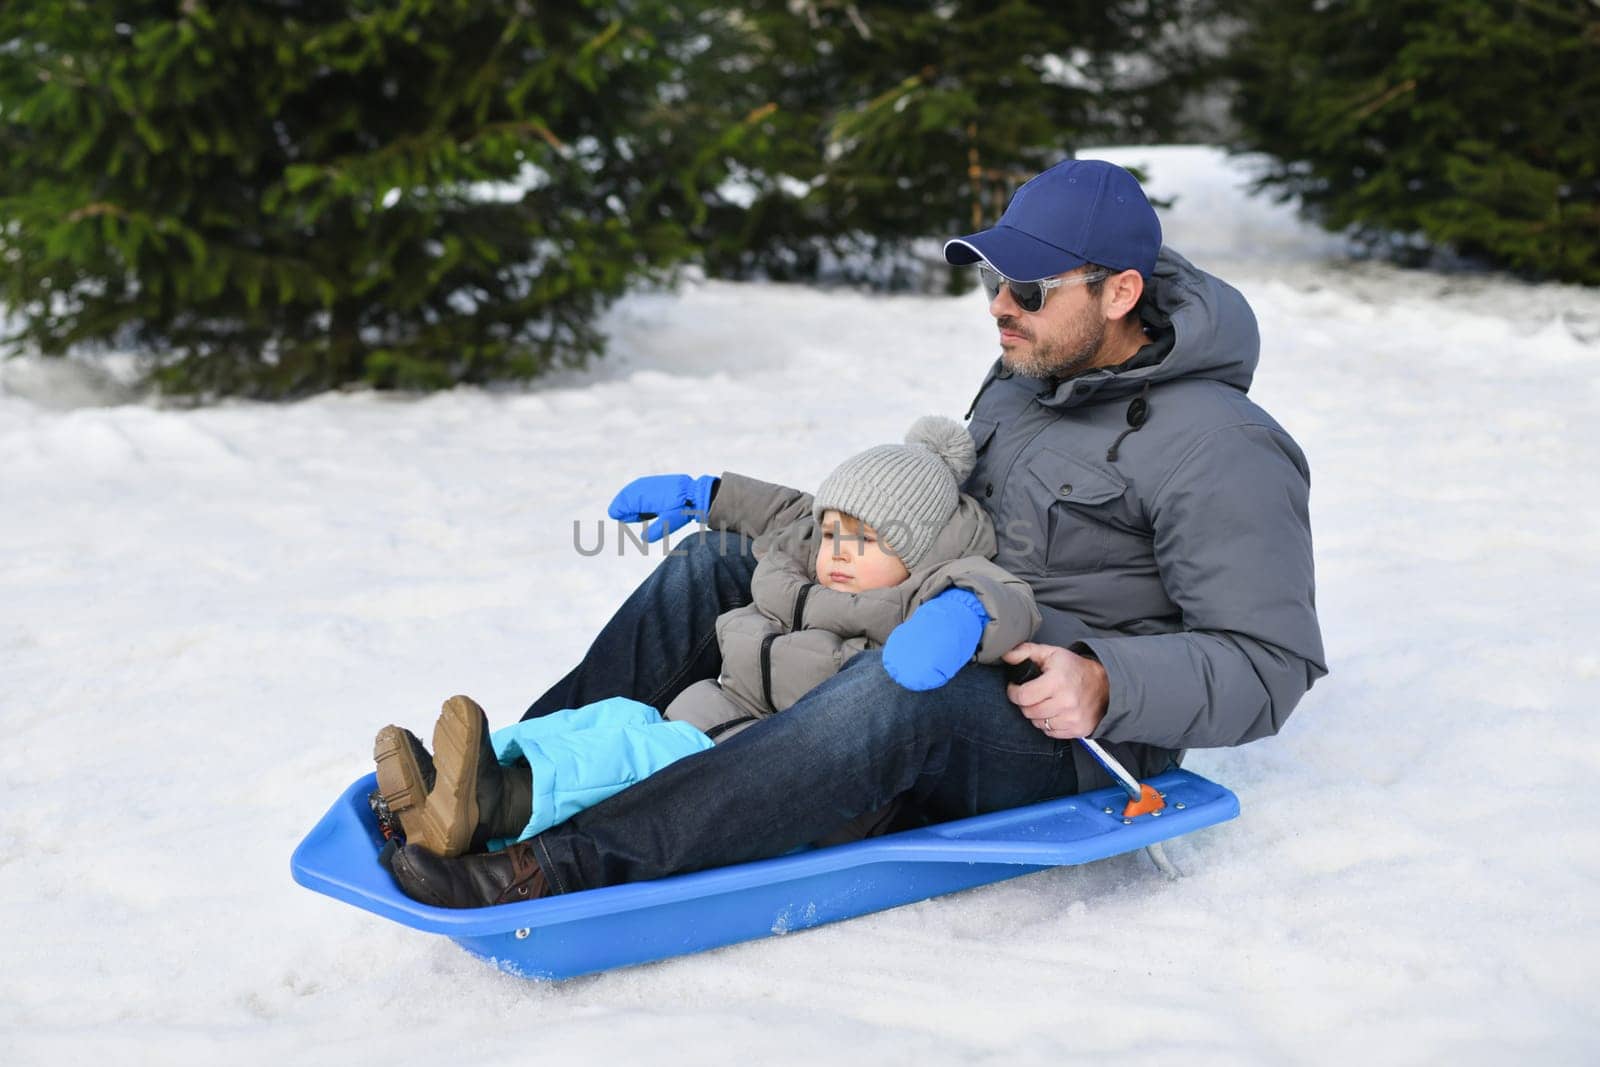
1059, 357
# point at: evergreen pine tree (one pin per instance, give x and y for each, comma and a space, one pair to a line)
1472, 125
892, 120
277, 196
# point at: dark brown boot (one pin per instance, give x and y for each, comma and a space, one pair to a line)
477, 880
473, 798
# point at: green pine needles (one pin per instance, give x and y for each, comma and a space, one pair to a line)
1467, 125
273, 197
895, 121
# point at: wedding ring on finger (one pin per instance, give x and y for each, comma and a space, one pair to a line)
1047, 725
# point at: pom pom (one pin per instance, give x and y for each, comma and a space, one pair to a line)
947, 439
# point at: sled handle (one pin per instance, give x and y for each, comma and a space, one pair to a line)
1142, 799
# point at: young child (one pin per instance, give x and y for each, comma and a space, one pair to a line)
886, 534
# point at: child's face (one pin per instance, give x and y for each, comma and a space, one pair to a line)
851, 559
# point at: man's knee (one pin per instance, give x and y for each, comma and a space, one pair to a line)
977, 691
874, 693
865, 669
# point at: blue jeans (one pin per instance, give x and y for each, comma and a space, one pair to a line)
851, 746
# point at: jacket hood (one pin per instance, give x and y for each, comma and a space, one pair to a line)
1214, 336
967, 533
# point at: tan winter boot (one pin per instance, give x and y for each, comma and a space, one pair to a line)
405, 774
473, 797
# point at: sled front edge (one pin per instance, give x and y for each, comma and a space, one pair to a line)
598, 929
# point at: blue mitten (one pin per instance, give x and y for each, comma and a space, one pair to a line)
671, 499
926, 650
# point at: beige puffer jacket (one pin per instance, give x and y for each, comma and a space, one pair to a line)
797, 633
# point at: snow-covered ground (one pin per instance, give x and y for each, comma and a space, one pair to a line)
207, 614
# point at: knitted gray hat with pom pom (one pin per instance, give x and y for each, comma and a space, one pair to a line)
905, 492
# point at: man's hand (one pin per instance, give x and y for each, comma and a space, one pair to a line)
671, 499
1069, 699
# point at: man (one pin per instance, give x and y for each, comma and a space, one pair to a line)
1159, 516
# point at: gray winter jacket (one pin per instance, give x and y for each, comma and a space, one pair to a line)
797, 634
1177, 554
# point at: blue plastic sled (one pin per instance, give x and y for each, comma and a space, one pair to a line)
598, 929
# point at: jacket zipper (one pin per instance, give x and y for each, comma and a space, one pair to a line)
766, 669
800, 606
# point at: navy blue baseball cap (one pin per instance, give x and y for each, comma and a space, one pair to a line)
1077, 212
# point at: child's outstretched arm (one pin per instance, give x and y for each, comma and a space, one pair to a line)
731, 502
751, 507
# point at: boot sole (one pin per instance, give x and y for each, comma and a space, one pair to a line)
447, 819
401, 782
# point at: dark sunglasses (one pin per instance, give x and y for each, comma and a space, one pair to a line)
1030, 295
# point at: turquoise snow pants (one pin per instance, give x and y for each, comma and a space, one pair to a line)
581, 756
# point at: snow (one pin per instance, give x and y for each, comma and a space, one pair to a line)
208, 613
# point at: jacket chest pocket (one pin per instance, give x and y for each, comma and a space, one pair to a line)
1074, 503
